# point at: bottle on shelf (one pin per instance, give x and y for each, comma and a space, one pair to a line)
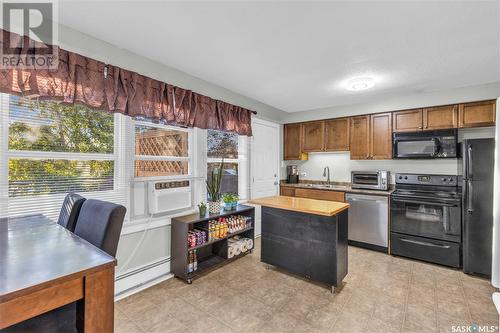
195, 261
190, 262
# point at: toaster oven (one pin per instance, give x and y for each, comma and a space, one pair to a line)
374, 180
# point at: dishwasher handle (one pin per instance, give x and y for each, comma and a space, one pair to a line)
372, 198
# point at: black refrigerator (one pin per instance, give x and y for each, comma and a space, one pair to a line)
477, 168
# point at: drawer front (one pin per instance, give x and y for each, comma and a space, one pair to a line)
287, 191
439, 252
41, 301
320, 194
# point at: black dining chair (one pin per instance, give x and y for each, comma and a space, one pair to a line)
100, 223
69, 211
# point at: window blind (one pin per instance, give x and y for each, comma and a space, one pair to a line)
48, 149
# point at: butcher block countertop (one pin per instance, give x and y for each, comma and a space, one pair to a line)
303, 205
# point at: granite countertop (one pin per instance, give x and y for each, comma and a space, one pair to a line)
336, 186
303, 205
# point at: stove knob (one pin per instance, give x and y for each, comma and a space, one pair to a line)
451, 180
406, 177
400, 177
443, 179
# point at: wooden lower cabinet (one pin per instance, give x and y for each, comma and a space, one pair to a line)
477, 114
440, 117
320, 194
360, 138
381, 136
287, 191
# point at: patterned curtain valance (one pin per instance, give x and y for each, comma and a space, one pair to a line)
83, 80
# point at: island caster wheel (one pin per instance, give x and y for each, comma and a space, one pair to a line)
189, 281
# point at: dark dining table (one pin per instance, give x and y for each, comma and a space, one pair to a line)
43, 266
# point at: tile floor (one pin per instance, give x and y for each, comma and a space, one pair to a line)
381, 293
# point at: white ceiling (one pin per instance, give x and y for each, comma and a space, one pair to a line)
297, 55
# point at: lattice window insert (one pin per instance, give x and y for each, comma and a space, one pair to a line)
160, 151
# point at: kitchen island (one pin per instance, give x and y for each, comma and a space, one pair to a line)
306, 237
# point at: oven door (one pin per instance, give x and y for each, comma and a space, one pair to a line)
426, 218
416, 147
366, 180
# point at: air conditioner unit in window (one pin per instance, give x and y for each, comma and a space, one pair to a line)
169, 196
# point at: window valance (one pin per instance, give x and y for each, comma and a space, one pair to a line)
82, 80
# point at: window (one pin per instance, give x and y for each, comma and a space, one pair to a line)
160, 150
56, 148
222, 145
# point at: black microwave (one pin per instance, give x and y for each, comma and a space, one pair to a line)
425, 144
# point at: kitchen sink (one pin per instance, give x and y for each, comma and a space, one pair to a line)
323, 186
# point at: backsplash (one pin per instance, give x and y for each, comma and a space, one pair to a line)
341, 166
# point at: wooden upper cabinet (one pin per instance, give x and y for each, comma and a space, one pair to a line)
381, 136
440, 117
337, 134
313, 134
292, 141
407, 121
360, 137
477, 114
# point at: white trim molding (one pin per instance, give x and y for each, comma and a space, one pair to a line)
142, 278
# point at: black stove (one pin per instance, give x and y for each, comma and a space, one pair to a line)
430, 187
426, 218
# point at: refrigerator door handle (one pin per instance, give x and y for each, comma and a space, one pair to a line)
469, 196
469, 162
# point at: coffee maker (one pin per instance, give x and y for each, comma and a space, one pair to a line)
292, 174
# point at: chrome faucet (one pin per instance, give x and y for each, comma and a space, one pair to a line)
326, 173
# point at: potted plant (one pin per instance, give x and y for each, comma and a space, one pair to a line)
202, 207
213, 189
230, 201
234, 203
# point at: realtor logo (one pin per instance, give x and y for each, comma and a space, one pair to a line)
29, 33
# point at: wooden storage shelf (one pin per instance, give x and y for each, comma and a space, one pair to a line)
211, 263
210, 255
220, 239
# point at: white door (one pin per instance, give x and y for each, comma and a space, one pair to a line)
265, 159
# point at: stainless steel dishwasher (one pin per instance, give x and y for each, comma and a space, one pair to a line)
369, 220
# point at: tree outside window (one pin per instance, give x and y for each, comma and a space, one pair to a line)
47, 147
223, 145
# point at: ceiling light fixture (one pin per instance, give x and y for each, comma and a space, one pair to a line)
360, 83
